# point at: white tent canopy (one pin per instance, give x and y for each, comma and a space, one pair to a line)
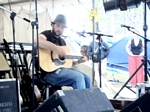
47, 10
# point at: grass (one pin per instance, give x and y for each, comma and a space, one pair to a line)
117, 76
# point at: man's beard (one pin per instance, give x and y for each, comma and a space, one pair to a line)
54, 33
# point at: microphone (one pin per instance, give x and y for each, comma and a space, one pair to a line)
90, 33
127, 26
104, 35
81, 33
99, 34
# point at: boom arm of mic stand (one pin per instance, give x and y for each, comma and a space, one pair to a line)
27, 20
104, 35
139, 35
99, 34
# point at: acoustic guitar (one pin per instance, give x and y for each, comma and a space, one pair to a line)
50, 61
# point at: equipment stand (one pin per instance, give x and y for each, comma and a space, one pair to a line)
15, 61
145, 28
34, 23
129, 80
97, 59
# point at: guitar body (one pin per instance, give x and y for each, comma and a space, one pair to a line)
50, 61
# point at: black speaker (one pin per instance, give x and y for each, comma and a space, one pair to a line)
78, 100
142, 104
8, 96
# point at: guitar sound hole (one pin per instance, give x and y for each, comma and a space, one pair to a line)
62, 58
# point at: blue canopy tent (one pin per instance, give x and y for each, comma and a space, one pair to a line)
118, 57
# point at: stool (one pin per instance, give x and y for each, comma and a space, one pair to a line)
46, 86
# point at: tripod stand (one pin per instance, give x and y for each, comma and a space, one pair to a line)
145, 55
97, 57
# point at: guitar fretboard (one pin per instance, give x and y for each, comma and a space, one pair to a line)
73, 57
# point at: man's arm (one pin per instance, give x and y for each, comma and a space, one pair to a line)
107, 49
44, 44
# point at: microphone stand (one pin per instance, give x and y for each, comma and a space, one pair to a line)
145, 27
98, 58
143, 63
15, 60
34, 23
14, 63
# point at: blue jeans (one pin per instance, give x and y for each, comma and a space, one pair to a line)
69, 77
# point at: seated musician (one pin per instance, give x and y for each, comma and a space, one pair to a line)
51, 41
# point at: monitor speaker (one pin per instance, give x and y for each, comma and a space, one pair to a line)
142, 104
8, 96
78, 100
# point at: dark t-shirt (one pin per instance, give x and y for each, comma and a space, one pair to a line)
58, 41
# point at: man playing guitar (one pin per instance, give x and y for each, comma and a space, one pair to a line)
55, 68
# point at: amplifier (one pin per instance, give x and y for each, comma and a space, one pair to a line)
8, 96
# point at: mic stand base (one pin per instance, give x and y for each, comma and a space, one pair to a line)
130, 79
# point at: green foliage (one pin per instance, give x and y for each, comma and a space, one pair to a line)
117, 75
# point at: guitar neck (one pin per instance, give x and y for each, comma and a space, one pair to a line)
73, 57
